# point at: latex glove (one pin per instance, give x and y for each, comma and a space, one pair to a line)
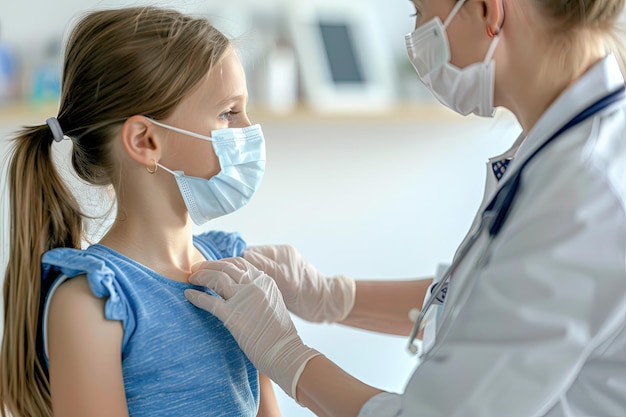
254, 312
306, 291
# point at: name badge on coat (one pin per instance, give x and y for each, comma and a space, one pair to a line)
430, 327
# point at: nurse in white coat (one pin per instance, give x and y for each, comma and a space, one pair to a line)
530, 320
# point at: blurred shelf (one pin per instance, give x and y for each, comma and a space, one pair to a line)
400, 112
20, 113
17, 114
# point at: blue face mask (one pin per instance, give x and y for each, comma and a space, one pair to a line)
241, 153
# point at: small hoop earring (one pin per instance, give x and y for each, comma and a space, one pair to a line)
154, 169
491, 33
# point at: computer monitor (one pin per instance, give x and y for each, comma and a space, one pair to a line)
343, 60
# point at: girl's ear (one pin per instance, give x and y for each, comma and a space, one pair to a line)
140, 141
493, 15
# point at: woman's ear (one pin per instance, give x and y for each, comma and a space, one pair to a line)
140, 142
494, 16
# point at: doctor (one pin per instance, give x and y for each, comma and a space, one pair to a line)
530, 318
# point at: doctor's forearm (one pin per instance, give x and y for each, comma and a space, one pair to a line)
383, 306
329, 391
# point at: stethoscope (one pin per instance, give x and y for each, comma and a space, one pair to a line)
495, 214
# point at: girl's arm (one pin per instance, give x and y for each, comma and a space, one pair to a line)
84, 352
268, 406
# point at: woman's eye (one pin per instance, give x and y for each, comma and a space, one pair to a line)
417, 13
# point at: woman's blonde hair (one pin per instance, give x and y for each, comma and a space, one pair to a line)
568, 15
118, 63
571, 23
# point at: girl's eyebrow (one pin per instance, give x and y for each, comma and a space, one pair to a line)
231, 99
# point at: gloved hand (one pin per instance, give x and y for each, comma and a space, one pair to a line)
254, 312
306, 292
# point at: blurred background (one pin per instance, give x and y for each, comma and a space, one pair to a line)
366, 175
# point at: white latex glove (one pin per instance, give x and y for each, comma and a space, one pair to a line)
306, 291
254, 312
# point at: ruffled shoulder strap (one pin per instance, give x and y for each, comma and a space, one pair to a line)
218, 244
59, 265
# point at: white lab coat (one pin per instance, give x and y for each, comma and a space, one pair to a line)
539, 328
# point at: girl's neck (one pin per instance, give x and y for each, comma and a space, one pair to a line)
166, 249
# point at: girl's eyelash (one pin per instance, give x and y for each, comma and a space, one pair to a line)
228, 113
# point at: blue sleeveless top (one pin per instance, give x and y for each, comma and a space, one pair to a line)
177, 360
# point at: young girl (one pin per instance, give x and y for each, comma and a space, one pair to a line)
154, 103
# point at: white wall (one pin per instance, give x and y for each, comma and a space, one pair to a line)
30, 22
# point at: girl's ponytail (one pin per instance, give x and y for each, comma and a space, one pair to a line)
164, 55
43, 215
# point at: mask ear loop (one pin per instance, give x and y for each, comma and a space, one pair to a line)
165, 168
183, 131
492, 49
453, 13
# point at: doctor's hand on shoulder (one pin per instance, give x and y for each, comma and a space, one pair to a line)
253, 310
307, 292
372, 304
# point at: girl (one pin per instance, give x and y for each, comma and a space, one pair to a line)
154, 104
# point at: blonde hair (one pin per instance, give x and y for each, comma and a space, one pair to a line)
572, 25
118, 63
568, 15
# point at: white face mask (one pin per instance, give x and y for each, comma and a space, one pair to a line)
464, 90
241, 153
